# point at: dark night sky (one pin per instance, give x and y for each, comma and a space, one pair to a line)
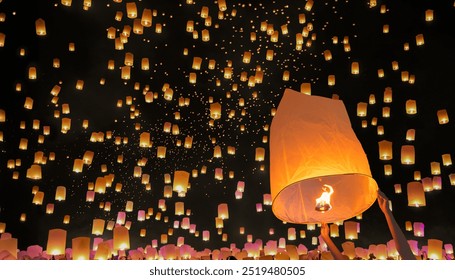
432, 65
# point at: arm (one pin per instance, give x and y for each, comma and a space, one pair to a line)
337, 255
401, 242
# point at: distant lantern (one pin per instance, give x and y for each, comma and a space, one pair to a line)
395, 65
443, 117
309, 5
131, 10
215, 111
397, 188
40, 26
420, 40
60, 193
305, 88
407, 154
38, 198
325, 192
205, 35
435, 168
269, 55
50, 208
385, 150
410, 135
387, 169
362, 109
146, 19
286, 75
350, 230
419, 229
34, 172
71, 47
56, 242
32, 73
327, 55
355, 68
223, 211
380, 73
121, 238
429, 15
385, 28
144, 141
260, 154
181, 181
126, 72
446, 160
411, 107
416, 194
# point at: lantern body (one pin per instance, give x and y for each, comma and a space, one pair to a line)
416, 194
309, 149
56, 242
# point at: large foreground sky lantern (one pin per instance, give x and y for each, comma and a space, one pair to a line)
318, 169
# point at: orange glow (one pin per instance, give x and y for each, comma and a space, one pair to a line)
323, 202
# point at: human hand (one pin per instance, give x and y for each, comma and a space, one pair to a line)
325, 230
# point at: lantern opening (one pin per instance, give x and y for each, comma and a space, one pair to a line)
323, 202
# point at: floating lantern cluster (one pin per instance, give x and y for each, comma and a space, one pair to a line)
167, 127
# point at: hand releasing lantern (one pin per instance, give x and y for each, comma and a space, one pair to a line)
313, 146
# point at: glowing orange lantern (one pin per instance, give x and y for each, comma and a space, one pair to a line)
121, 238
416, 194
56, 242
443, 117
297, 182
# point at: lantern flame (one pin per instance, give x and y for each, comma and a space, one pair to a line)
323, 202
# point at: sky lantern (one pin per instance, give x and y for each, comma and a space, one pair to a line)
81, 248
334, 185
181, 181
38, 198
56, 242
385, 150
416, 194
40, 26
419, 229
420, 40
355, 68
215, 111
34, 172
98, 227
223, 211
407, 154
350, 230
305, 88
260, 154
443, 117
60, 193
121, 238
429, 15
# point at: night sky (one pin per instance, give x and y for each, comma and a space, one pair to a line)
353, 31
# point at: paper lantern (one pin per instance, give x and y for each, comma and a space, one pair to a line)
81, 248
355, 68
56, 242
34, 172
181, 181
407, 154
309, 5
2, 227
443, 117
385, 150
416, 194
350, 230
361, 109
446, 160
40, 27
121, 238
260, 154
9, 245
380, 73
435, 168
305, 88
98, 226
419, 229
38, 198
305, 171
420, 40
